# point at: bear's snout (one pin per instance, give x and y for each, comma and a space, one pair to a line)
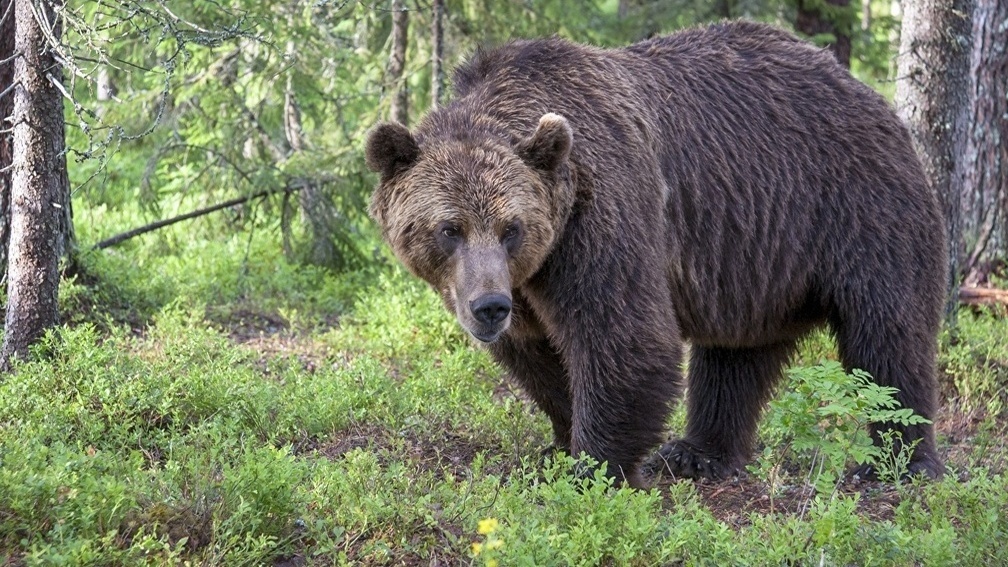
482, 291
491, 309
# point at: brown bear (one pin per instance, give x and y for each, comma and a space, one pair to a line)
583, 211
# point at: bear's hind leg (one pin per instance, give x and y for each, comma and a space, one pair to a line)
902, 356
728, 389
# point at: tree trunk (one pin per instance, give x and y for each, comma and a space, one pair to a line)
40, 195
437, 53
724, 9
397, 62
105, 89
622, 9
985, 161
932, 98
813, 20
6, 137
316, 206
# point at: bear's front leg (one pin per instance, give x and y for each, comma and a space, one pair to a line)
622, 393
623, 359
728, 389
535, 364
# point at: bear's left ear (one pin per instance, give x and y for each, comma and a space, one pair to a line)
549, 146
390, 149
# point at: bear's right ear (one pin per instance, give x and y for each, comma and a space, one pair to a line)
550, 145
390, 149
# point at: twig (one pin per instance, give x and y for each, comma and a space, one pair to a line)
983, 296
109, 242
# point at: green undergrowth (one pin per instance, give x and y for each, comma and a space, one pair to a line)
974, 360
375, 433
232, 273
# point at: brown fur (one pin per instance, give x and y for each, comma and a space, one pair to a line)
731, 186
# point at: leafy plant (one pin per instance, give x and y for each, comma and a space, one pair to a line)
820, 423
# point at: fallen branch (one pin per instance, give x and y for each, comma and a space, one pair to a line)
989, 296
109, 242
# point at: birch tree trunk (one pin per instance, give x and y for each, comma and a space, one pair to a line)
41, 229
932, 88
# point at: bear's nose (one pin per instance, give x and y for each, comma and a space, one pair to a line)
491, 309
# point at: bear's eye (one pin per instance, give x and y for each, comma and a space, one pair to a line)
511, 237
448, 236
450, 231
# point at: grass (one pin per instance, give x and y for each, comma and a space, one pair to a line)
208, 403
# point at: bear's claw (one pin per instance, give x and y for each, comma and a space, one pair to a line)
682, 460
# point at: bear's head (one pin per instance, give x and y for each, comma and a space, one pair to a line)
475, 218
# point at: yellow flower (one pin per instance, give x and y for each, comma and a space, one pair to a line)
491, 563
494, 543
487, 526
477, 548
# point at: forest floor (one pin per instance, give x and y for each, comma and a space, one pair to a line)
969, 440
271, 414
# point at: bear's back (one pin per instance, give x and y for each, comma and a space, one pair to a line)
775, 168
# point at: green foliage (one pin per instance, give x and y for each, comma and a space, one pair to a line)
975, 362
174, 443
219, 396
874, 44
819, 346
962, 519
226, 101
578, 521
820, 423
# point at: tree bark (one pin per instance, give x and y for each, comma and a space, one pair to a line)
932, 88
41, 231
397, 62
985, 161
6, 134
812, 21
437, 52
105, 89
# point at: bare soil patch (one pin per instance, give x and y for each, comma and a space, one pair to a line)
440, 448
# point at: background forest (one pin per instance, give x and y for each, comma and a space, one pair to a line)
239, 372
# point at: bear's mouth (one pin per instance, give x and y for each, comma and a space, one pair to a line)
487, 334
488, 337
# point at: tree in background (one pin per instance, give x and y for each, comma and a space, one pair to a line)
932, 99
985, 160
437, 52
830, 22
397, 63
41, 229
259, 106
952, 91
6, 132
